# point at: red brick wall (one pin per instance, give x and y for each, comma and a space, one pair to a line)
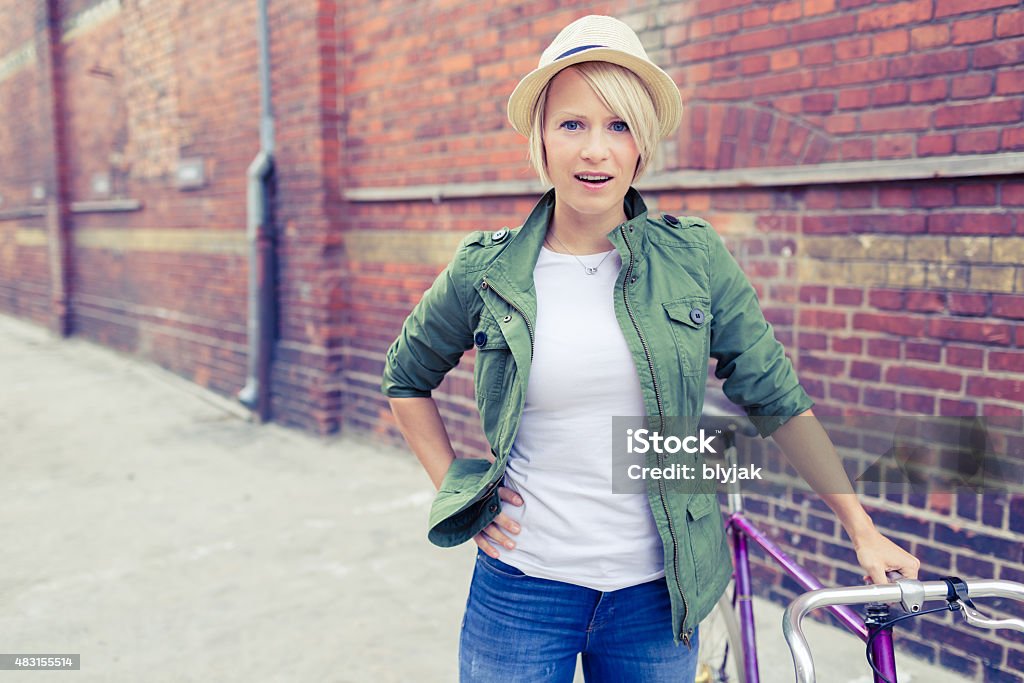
893, 295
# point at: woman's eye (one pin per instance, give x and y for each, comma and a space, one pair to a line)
620, 127
571, 125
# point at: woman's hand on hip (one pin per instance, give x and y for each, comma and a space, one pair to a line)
494, 533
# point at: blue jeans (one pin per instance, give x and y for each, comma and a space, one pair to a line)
522, 629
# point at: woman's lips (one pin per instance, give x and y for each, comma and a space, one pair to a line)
593, 180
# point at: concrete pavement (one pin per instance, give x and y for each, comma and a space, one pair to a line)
149, 528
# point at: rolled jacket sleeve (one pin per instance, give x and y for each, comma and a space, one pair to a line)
758, 375
432, 340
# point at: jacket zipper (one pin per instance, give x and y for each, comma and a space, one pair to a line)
661, 417
529, 328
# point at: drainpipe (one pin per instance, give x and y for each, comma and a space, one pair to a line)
255, 395
57, 215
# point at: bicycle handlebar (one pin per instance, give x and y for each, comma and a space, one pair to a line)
909, 592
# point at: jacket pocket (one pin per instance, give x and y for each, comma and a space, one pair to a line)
492, 359
704, 527
690, 321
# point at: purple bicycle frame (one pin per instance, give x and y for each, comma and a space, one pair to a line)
740, 528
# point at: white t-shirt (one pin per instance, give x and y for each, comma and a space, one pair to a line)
573, 528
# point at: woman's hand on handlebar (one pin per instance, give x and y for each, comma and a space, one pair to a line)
878, 555
494, 533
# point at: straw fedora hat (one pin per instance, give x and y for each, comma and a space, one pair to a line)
596, 38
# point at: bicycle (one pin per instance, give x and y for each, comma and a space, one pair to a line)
727, 645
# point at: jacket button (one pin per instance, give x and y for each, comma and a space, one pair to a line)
671, 220
493, 507
632, 279
484, 285
697, 316
507, 319
480, 338
499, 235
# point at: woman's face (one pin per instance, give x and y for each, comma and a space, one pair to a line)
591, 154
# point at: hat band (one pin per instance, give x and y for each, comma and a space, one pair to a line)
573, 51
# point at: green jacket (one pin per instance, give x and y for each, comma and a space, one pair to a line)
680, 299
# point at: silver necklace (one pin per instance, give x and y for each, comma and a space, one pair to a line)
587, 269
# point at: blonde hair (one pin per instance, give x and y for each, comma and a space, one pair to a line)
623, 93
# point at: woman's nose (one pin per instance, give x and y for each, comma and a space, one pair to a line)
595, 147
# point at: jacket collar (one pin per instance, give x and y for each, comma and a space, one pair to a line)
515, 264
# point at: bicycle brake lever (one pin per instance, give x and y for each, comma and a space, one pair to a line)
976, 618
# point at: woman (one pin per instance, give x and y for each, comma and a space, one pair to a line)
594, 309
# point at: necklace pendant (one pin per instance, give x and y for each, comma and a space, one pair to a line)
591, 271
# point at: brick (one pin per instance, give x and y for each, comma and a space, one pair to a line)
847, 296
890, 43
941, 276
976, 30
855, 98
1007, 306
971, 222
970, 249
895, 93
871, 372
906, 275
932, 90
886, 299
932, 63
895, 197
932, 196
852, 49
976, 194
926, 302
814, 294
965, 356
896, 14
955, 408
816, 55
979, 142
784, 12
902, 119
848, 74
884, 348
880, 399
999, 53
931, 145
920, 404
927, 37
968, 304
853, 150
783, 60
895, 146
978, 114
919, 377
847, 344
903, 326
1010, 24
1009, 82
816, 7
1009, 361
972, 86
931, 353
993, 278
823, 28
969, 331
1013, 138
945, 8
